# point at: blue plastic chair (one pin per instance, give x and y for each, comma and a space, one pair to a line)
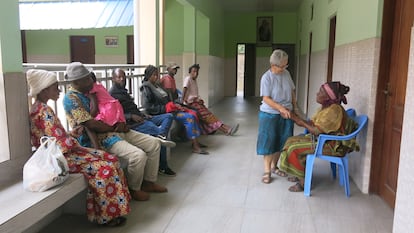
341, 162
351, 113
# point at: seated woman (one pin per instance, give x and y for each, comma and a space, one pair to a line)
156, 101
208, 121
331, 118
108, 196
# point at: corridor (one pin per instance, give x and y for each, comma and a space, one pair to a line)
222, 192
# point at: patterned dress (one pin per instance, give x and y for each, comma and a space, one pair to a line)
331, 120
108, 196
209, 123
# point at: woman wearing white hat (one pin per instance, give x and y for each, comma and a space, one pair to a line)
108, 196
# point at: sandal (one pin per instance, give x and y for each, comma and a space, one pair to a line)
200, 145
279, 172
201, 152
116, 222
293, 179
296, 188
266, 178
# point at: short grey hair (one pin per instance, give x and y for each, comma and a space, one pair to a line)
277, 57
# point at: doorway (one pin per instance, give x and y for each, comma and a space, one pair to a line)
398, 17
130, 49
309, 71
290, 50
246, 69
332, 32
24, 48
82, 49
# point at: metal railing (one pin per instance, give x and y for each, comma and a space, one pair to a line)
134, 75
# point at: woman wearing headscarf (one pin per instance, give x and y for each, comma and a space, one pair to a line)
331, 118
156, 101
107, 199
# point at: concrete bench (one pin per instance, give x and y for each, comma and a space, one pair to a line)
21, 209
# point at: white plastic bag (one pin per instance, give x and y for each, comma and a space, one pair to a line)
46, 168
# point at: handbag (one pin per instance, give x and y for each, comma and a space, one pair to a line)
46, 168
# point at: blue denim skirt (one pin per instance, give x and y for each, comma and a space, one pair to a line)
273, 132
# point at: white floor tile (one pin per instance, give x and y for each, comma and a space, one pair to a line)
223, 192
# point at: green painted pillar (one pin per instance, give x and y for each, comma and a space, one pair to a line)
15, 145
10, 41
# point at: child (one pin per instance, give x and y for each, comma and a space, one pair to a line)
104, 108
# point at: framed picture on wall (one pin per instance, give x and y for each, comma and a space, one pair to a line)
264, 31
111, 41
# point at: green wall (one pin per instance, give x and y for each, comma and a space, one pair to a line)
193, 26
56, 42
174, 28
241, 28
203, 35
355, 20
10, 43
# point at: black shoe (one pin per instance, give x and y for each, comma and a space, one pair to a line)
167, 172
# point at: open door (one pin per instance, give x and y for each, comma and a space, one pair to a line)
249, 70
332, 32
24, 48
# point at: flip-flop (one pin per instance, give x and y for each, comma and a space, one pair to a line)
233, 130
201, 152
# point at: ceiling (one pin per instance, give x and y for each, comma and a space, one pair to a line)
259, 5
232, 5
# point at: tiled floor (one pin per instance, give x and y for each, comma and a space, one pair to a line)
222, 192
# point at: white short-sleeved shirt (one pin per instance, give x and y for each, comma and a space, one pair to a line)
279, 88
192, 89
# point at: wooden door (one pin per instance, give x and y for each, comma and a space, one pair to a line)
332, 33
309, 69
82, 49
249, 70
24, 48
130, 49
290, 50
391, 95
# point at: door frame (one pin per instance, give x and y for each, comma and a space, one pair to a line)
249, 89
385, 66
383, 70
73, 47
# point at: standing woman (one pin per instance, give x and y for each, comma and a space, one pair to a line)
107, 199
278, 99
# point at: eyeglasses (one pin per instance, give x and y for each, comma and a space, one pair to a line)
282, 67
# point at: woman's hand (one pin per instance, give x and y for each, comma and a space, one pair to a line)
285, 113
77, 131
